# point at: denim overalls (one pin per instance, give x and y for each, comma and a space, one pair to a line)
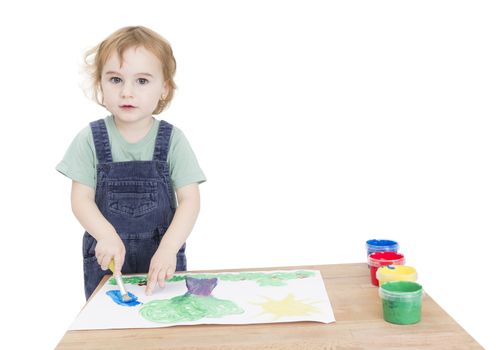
136, 197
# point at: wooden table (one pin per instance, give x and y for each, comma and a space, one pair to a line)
359, 325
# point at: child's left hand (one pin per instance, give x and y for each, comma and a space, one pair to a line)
162, 267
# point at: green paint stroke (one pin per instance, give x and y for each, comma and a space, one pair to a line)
188, 307
139, 280
262, 278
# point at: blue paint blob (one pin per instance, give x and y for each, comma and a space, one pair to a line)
117, 298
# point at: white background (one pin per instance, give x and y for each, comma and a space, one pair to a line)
318, 124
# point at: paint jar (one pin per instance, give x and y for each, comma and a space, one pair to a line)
381, 245
375, 260
395, 273
401, 302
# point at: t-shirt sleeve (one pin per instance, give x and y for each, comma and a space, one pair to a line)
183, 165
79, 161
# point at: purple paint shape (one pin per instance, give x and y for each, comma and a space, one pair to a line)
201, 286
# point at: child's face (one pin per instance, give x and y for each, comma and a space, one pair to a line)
131, 92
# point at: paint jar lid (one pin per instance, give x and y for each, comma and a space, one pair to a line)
400, 291
396, 273
382, 245
378, 259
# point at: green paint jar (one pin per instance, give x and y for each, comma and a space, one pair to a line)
401, 301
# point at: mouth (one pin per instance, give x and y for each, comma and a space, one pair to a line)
127, 107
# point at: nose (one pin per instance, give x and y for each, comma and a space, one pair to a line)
126, 90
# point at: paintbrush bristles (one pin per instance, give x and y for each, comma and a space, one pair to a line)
126, 297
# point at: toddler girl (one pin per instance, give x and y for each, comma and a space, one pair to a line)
135, 178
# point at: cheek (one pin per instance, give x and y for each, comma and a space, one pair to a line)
104, 91
108, 92
108, 98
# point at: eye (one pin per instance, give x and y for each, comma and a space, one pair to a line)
143, 81
115, 80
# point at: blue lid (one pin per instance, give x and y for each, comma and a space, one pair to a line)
380, 242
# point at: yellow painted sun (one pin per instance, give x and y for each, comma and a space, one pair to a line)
289, 306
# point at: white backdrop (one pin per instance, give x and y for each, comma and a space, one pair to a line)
318, 124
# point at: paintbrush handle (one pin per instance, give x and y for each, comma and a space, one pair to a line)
111, 266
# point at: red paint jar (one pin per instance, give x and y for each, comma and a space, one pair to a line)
375, 260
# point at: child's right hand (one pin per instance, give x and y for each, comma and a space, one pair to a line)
108, 248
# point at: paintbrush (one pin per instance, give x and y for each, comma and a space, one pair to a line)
120, 283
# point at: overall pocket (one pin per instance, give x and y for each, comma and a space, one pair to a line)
132, 198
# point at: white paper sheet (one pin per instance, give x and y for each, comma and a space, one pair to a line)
237, 298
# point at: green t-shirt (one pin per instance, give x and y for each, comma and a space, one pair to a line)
79, 162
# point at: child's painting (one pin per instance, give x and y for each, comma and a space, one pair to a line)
215, 298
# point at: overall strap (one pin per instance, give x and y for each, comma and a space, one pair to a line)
162, 141
101, 141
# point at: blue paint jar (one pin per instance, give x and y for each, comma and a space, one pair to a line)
381, 245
